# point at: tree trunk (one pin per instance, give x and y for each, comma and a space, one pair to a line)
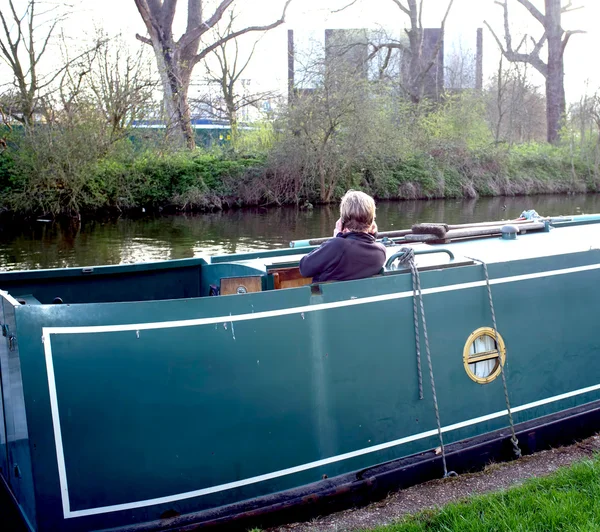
176, 59
175, 81
415, 67
322, 178
555, 88
232, 116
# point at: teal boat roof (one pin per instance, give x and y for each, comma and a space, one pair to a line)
558, 241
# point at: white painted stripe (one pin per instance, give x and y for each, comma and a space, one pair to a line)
308, 308
325, 461
62, 470
9, 298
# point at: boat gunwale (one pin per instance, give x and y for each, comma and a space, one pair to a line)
106, 269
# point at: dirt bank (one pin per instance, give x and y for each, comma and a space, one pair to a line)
440, 492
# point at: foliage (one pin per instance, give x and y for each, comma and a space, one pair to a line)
341, 134
67, 170
50, 170
566, 500
457, 122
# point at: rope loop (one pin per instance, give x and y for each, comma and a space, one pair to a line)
514, 440
516, 448
408, 257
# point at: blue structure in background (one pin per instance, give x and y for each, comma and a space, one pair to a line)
208, 132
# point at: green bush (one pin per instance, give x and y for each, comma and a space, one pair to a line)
393, 152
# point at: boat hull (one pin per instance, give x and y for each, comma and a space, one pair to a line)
136, 412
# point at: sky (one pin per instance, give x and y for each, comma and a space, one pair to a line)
268, 69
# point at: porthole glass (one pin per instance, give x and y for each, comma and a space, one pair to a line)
482, 356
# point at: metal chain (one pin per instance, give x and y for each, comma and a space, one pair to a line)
514, 440
409, 258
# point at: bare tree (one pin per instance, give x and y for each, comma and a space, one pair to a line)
497, 117
121, 83
459, 69
515, 107
225, 74
22, 45
585, 117
176, 59
419, 62
555, 40
587, 113
25, 38
326, 124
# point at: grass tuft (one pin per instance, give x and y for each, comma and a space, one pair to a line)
567, 500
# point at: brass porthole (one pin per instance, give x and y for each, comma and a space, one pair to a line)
483, 358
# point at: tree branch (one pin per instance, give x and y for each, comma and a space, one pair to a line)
402, 6
389, 46
193, 34
566, 38
568, 8
513, 55
168, 13
236, 34
385, 64
154, 6
46, 41
345, 7
537, 47
194, 17
533, 10
438, 45
145, 40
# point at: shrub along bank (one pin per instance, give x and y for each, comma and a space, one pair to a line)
37, 180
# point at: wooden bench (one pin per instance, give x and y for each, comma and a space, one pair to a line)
289, 278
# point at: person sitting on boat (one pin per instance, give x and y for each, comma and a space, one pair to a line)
353, 253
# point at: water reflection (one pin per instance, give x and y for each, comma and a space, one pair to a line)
47, 245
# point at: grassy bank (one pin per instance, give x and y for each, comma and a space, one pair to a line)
566, 500
34, 183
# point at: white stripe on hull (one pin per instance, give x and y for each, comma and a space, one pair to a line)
48, 331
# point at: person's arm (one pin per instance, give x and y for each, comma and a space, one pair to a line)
373, 229
321, 259
339, 227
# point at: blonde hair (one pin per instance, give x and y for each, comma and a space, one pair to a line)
357, 211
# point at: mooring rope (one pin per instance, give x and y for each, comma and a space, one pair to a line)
514, 440
408, 257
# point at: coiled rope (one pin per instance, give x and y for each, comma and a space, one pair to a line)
408, 258
514, 440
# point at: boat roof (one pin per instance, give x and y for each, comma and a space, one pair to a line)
556, 241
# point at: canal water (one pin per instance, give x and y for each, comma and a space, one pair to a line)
49, 245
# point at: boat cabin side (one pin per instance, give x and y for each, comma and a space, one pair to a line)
188, 278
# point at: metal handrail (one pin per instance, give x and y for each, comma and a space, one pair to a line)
395, 256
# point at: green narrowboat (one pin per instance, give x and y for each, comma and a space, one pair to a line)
197, 392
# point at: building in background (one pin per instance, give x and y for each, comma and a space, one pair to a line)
349, 49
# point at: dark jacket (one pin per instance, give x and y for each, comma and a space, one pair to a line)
343, 258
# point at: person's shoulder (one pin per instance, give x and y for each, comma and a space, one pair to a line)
336, 242
333, 245
379, 246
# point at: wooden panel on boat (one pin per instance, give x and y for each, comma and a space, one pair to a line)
241, 285
289, 278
